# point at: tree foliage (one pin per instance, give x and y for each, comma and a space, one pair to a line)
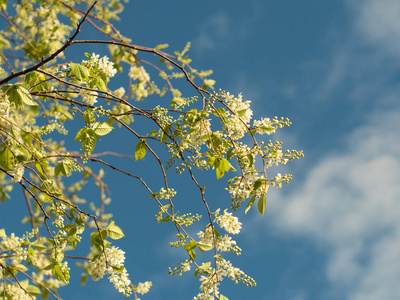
51, 106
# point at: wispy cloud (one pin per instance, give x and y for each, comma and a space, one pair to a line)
222, 30
350, 199
350, 203
378, 22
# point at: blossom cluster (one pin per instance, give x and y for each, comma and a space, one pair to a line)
228, 222
17, 171
113, 258
166, 193
238, 119
89, 97
210, 280
142, 78
4, 105
143, 288
102, 65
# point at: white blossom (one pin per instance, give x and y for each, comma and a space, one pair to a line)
143, 288
4, 105
88, 96
17, 172
228, 222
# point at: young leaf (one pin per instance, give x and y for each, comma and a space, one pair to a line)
80, 72
114, 231
102, 128
164, 136
191, 245
223, 166
89, 116
262, 202
6, 159
204, 247
250, 204
140, 151
25, 96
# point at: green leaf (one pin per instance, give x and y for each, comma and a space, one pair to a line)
223, 166
204, 247
81, 73
222, 297
19, 96
102, 128
164, 136
119, 268
192, 254
114, 231
33, 289
258, 183
262, 202
140, 151
6, 159
89, 116
250, 204
62, 168
101, 84
95, 238
166, 219
25, 96
191, 245
81, 133
211, 161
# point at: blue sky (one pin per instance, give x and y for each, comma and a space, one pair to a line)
332, 67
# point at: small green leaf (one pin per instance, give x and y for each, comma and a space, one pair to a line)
204, 247
81, 73
191, 245
258, 183
262, 202
164, 136
250, 204
25, 96
140, 151
89, 116
33, 289
192, 254
6, 159
222, 297
102, 128
223, 166
114, 231
95, 238
101, 84
166, 219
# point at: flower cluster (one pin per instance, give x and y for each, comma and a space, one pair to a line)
17, 171
143, 288
202, 129
166, 193
90, 97
115, 259
142, 78
240, 117
4, 105
102, 65
228, 222
13, 291
211, 279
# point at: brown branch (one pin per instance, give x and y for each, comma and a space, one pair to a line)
52, 56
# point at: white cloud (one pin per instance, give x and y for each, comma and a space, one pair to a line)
378, 22
213, 31
350, 202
